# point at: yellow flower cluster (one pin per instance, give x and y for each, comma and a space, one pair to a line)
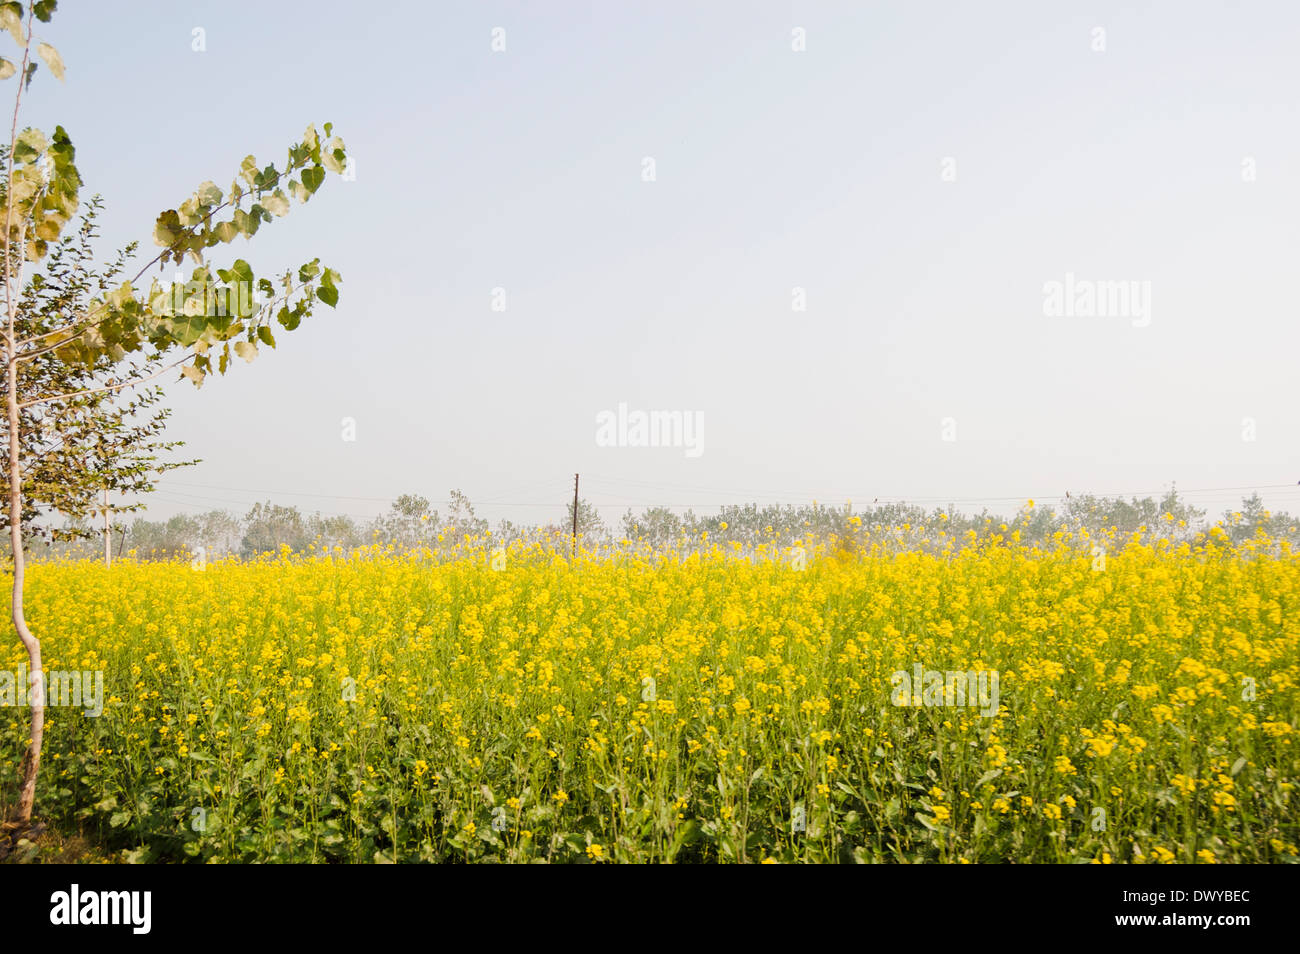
653, 706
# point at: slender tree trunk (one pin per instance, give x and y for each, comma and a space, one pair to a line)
13, 282
36, 695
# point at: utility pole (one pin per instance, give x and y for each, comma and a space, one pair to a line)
108, 533
575, 515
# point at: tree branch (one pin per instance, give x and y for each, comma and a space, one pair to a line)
109, 387
83, 323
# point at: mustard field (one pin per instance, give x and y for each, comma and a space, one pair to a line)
706, 705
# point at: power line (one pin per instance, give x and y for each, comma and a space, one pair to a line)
898, 498
619, 499
292, 493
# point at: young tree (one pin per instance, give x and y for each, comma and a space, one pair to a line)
1253, 517
336, 530
100, 441
408, 523
169, 539
219, 533
590, 525
193, 328
659, 526
268, 527
461, 519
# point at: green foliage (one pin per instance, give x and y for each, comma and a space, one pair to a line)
41, 196
268, 527
83, 335
99, 440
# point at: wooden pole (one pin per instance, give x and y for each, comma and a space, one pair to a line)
108, 534
575, 515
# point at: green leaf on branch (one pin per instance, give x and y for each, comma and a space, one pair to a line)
11, 18
265, 336
245, 223
190, 328
328, 291
167, 229
48, 229
312, 178
44, 9
52, 59
209, 194
266, 178
29, 144
277, 204
241, 271
334, 158
248, 170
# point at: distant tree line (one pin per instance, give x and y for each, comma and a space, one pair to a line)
411, 522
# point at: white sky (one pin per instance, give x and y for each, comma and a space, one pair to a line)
774, 169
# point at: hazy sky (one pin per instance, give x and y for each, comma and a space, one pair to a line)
921, 170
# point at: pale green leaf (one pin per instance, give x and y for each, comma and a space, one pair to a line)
52, 59
277, 204
334, 157
29, 144
209, 194
248, 169
11, 18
